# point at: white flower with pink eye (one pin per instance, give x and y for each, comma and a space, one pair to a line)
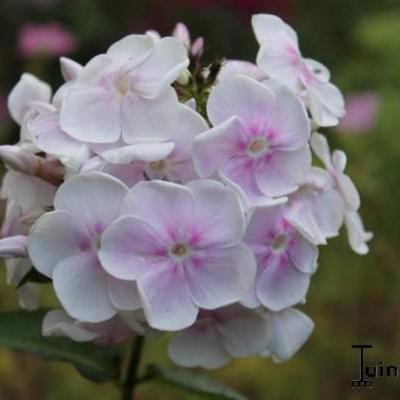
170, 160
335, 165
259, 139
63, 245
285, 259
125, 91
316, 209
183, 246
280, 58
218, 336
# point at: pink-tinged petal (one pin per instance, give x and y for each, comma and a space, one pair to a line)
130, 174
289, 126
198, 346
214, 147
166, 62
123, 294
241, 331
167, 207
49, 137
28, 89
59, 323
220, 218
319, 70
303, 254
262, 223
242, 97
149, 119
132, 49
141, 151
283, 172
95, 198
129, 247
14, 246
232, 68
240, 171
166, 297
55, 236
282, 285
357, 235
287, 331
91, 114
220, 276
80, 284
270, 28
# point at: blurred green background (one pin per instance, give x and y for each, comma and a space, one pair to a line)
352, 299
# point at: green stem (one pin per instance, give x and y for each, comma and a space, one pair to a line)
130, 381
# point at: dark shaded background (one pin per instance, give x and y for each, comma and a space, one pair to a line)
352, 299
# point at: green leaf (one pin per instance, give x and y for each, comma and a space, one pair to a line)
21, 330
35, 276
192, 382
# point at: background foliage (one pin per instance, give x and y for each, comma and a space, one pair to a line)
352, 299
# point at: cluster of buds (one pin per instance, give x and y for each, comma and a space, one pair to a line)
157, 194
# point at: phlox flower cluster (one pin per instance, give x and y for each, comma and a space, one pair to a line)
160, 195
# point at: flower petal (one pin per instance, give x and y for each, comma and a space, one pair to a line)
220, 276
132, 49
80, 284
123, 294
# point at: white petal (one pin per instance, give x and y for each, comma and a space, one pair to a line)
304, 255
80, 284
198, 346
123, 294
320, 147
221, 276
244, 98
232, 68
70, 69
132, 49
166, 298
28, 89
287, 331
356, 233
166, 62
95, 199
55, 236
91, 114
219, 213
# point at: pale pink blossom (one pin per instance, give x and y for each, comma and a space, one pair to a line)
182, 245
45, 40
316, 209
335, 164
259, 139
280, 58
63, 245
285, 259
125, 92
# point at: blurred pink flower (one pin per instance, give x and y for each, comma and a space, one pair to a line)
45, 39
361, 111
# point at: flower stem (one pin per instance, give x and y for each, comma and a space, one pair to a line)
130, 381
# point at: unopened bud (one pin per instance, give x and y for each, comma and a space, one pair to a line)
17, 159
14, 246
181, 32
184, 78
197, 47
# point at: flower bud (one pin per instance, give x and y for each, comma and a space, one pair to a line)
198, 47
184, 78
181, 32
17, 159
70, 69
14, 246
